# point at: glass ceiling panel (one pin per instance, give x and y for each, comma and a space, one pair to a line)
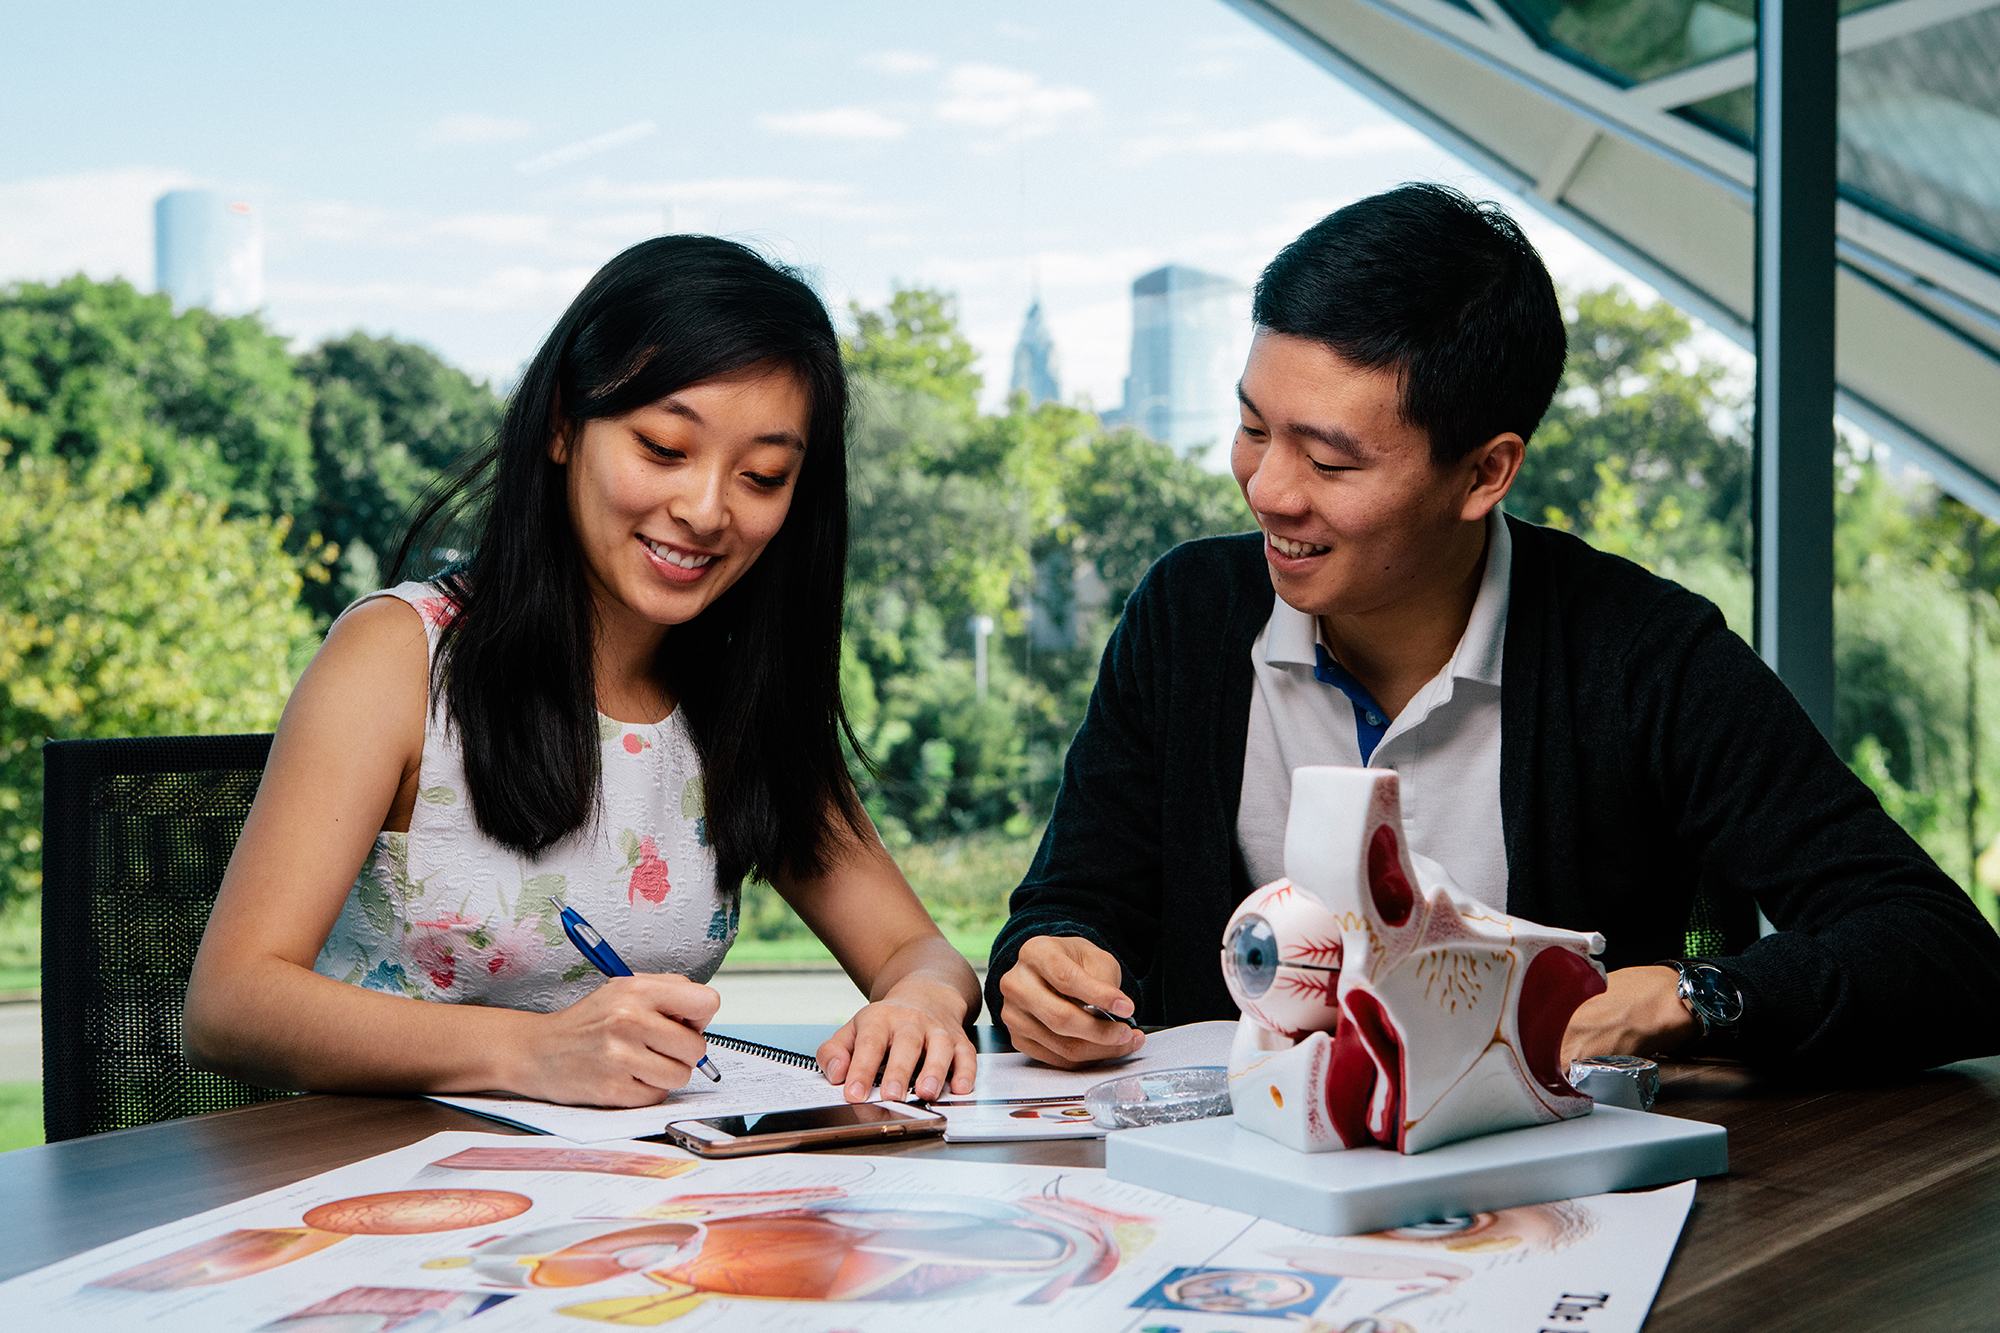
1919, 113
1920, 131
1630, 41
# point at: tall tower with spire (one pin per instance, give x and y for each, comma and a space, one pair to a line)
1035, 360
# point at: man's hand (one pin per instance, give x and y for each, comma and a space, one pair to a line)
1639, 1013
1042, 998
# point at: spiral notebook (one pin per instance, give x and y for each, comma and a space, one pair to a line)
755, 1078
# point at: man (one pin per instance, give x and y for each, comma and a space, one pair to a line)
1578, 742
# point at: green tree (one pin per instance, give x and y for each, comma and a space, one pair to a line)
1643, 452
915, 343
929, 519
955, 515
159, 617
1134, 499
387, 418
211, 403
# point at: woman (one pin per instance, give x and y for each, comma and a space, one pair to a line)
626, 700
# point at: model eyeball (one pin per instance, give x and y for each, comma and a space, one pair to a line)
1252, 948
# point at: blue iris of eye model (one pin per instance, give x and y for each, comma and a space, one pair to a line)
1440, 1229
1252, 948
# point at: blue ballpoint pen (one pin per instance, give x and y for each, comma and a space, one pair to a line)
606, 960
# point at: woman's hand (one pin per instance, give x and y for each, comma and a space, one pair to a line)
1639, 1013
921, 991
1042, 998
915, 1035
630, 1042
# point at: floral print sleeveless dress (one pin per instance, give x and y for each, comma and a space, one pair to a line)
445, 913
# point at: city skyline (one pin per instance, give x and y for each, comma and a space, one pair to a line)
456, 185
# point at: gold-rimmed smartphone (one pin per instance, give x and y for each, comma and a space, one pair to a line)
806, 1127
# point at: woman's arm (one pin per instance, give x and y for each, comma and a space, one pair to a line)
344, 766
921, 991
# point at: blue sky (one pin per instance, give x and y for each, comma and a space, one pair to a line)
453, 173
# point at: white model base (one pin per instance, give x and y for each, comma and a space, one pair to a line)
1374, 1189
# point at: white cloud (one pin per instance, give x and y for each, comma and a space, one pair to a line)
990, 97
624, 228
473, 127
95, 222
699, 199
576, 152
899, 62
514, 287
494, 228
846, 122
1217, 67
1054, 270
572, 237
1287, 136
340, 223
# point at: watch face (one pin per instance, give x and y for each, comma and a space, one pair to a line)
1720, 1002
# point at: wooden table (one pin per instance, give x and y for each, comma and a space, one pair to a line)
1874, 1208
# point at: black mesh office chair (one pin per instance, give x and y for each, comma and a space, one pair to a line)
135, 837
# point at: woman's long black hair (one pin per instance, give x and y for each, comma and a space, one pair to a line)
757, 673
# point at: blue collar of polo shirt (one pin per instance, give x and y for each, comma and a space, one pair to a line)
1371, 722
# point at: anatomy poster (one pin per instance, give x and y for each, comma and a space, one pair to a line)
499, 1233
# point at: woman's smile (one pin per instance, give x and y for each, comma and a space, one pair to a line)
677, 564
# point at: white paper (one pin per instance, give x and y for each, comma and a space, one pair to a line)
1003, 1077
751, 1084
509, 1234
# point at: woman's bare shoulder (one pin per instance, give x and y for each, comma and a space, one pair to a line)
375, 661
383, 623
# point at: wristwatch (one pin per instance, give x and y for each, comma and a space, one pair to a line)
1707, 994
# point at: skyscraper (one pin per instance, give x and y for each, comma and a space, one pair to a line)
1035, 361
208, 251
1190, 332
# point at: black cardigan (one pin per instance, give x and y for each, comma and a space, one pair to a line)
1645, 751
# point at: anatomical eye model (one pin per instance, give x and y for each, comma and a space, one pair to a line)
1382, 1006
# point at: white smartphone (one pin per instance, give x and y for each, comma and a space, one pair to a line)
808, 1127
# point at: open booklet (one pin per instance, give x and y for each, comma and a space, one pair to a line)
758, 1078
755, 1078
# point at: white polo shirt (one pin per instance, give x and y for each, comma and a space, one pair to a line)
1444, 745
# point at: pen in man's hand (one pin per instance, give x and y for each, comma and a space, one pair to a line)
606, 960
1095, 1012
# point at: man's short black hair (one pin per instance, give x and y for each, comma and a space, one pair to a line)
1446, 291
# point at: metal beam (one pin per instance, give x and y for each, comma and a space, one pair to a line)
1796, 189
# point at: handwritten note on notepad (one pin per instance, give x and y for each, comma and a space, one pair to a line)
1013, 1077
751, 1083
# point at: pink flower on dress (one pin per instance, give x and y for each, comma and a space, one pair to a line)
436, 611
649, 878
435, 956
634, 743
516, 949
